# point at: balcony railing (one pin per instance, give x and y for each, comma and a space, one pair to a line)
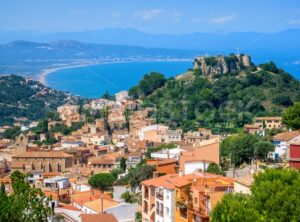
180, 204
160, 196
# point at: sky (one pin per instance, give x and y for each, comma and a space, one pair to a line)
151, 16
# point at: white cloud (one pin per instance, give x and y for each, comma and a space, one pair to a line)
294, 22
223, 19
147, 15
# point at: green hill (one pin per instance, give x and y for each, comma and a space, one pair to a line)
26, 100
221, 101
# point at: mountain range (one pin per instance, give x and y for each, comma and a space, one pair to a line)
29, 58
282, 47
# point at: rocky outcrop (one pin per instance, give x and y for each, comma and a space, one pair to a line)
211, 66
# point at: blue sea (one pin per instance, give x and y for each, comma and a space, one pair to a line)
93, 81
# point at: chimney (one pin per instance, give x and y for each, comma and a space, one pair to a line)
155, 174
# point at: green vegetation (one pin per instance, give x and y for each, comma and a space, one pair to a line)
224, 103
138, 217
262, 148
116, 172
136, 176
42, 128
12, 133
25, 203
123, 164
147, 85
211, 61
102, 182
129, 197
158, 148
275, 197
215, 169
270, 67
242, 148
20, 97
292, 116
239, 148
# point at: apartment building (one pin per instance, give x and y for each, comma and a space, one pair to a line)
195, 200
158, 197
268, 122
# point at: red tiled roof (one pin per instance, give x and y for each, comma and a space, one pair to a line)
101, 161
170, 181
98, 218
42, 154
286, 136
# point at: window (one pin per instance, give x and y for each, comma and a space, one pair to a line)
167, 210
195, 200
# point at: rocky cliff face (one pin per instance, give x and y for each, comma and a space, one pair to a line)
211, 66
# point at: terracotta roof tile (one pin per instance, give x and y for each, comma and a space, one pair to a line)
286, 136
98, 218
101, 161
43, 154
95, 205
246, 181
170, 181
269, 118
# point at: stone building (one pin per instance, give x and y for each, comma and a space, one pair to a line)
47, 161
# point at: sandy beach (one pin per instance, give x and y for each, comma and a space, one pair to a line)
44, 73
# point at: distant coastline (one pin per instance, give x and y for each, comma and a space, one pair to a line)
44, 73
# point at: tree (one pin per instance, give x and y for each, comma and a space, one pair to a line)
116, 172
138, 217
102, 182
291, 117
214, 168
52, 115
128, 198
140, 174
147, 85
123, 164
234, 208
262, 148
270, 66
25, 203
274, 197
240, 148
276, 194
136, 176
12, 133
283, 100
2, 189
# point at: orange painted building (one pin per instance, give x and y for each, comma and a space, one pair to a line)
194, 201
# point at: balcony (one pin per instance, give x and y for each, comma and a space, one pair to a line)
160, 195
180, 204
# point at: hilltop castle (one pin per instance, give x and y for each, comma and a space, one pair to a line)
211, 66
